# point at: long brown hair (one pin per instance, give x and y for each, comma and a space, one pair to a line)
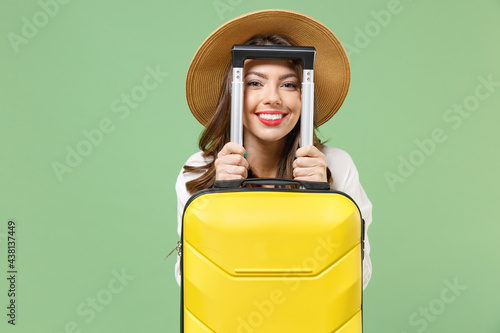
217, 131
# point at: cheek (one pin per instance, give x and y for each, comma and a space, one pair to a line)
250, 100
297, 104
248, 107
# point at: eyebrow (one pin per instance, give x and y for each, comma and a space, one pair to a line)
264, 76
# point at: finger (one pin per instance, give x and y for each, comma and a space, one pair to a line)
233, 159
311, 178
231, 148
309, 162
235, 170
228, 176
303, 172
314, 174
232, 172
309, 151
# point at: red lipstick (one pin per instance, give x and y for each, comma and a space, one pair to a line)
269, 122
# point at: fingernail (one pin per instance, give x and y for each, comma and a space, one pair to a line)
245, 155
295, 156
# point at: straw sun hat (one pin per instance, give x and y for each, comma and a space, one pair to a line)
207, 69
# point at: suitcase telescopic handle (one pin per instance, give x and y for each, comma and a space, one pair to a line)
242, 52
305, 53
271, 181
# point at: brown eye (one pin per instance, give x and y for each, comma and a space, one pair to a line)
290, 85
253, 83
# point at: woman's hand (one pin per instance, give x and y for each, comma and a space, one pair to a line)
310, 165
230, 163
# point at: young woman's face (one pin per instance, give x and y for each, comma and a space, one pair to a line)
272, 101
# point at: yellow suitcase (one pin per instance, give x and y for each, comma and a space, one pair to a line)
271, 260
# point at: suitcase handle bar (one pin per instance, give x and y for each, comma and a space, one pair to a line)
305, 53
271, 181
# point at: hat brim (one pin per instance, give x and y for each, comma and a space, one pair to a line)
331, 71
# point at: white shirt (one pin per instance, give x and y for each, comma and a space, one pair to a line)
345, 179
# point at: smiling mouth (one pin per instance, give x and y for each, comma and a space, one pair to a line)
271, 116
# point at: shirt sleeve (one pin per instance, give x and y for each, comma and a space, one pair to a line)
346, 179
354, 188
182, 193
182, 198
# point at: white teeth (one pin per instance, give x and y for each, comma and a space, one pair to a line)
274, 116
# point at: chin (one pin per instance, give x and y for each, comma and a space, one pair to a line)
271, 138
267, 134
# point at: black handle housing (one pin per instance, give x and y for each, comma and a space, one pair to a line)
271, 181
304, 53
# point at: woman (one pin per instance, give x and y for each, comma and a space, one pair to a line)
271, 111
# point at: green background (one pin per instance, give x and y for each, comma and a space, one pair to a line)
115, 212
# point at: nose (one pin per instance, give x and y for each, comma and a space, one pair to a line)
271, 95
